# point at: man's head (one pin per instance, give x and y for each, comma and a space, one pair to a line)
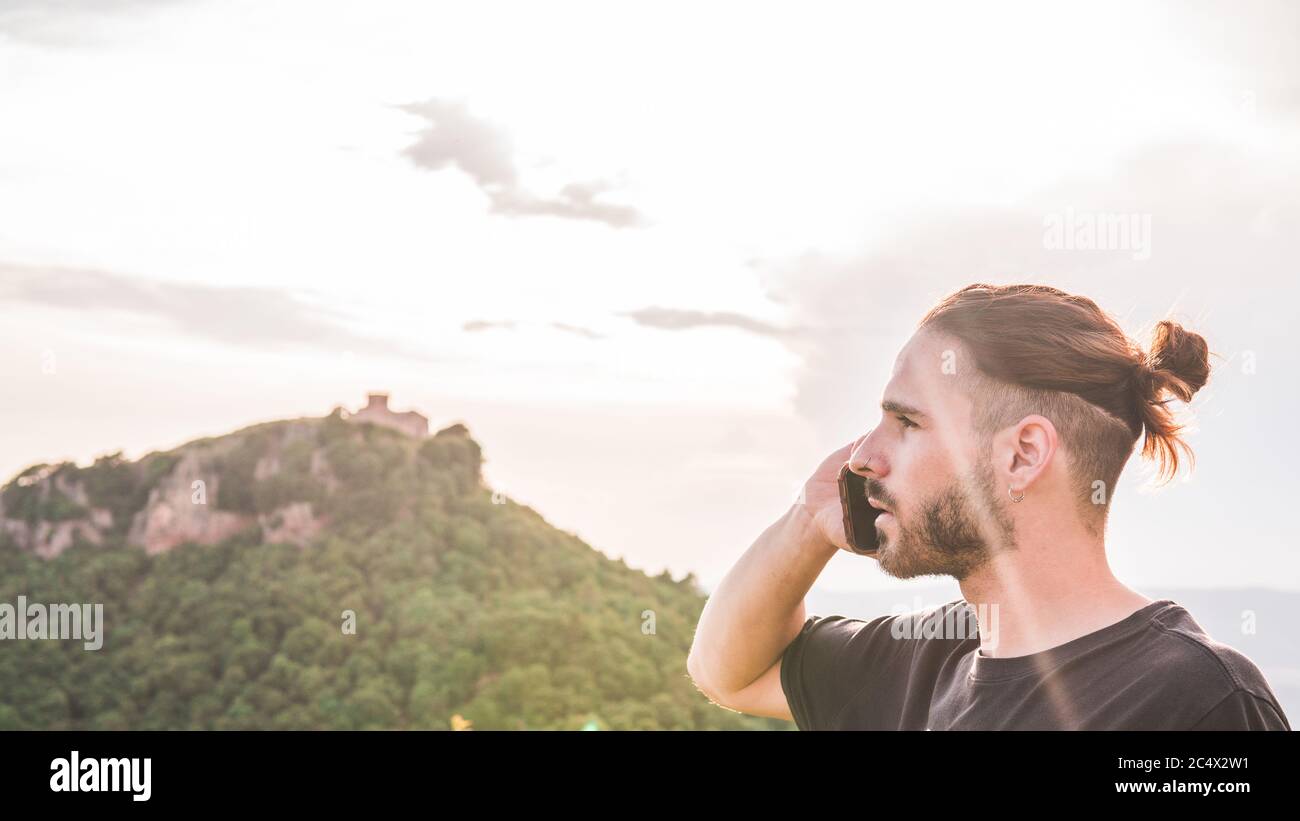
1016, 392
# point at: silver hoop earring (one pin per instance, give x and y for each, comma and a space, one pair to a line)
1015, 498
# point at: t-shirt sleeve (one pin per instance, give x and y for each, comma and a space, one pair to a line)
1242, 710
813, 674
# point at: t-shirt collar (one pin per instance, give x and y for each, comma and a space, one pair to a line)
987, 668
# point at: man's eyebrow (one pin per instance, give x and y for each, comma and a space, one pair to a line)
892, 406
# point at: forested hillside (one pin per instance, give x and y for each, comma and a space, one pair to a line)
226, 568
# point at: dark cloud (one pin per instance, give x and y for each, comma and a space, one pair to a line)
456, 138
249, 317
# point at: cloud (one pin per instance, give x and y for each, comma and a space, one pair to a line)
456, 138
1225, 228
246, 317
476, 325
574, 202
576, 330
675, 319
68, 22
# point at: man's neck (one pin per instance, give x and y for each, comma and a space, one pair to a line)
1037, 597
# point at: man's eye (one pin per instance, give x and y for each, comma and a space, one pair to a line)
907, 423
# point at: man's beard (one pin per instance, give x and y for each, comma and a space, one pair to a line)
951, 533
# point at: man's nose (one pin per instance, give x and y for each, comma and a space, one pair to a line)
864, 458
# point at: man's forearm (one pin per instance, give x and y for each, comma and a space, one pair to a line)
758, 608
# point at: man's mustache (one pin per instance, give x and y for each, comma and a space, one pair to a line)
877, 491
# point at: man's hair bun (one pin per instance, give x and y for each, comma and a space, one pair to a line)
1179, 360
1177, 363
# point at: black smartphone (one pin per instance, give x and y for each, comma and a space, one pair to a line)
859, 517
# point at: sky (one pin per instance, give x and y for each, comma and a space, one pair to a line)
658, 258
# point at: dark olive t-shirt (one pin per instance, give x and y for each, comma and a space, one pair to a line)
1156, 669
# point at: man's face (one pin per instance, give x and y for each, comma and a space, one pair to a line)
928, 471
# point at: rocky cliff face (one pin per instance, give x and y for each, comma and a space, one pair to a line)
178, 510
275, 482
55, 511
68, 513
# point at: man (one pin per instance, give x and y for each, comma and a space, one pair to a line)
1006, 423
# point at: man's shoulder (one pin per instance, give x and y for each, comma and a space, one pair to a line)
1184, 652
834, 659
1200, 680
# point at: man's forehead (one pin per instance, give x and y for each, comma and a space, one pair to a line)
925, 351
923, 372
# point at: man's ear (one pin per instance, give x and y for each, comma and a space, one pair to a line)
1027, 449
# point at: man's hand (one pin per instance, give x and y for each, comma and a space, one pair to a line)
821, 498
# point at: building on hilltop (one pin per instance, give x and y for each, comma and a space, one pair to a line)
376, 411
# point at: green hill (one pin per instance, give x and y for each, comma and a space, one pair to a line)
225, 568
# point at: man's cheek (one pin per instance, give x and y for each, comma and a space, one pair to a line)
935, 462
918, 477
